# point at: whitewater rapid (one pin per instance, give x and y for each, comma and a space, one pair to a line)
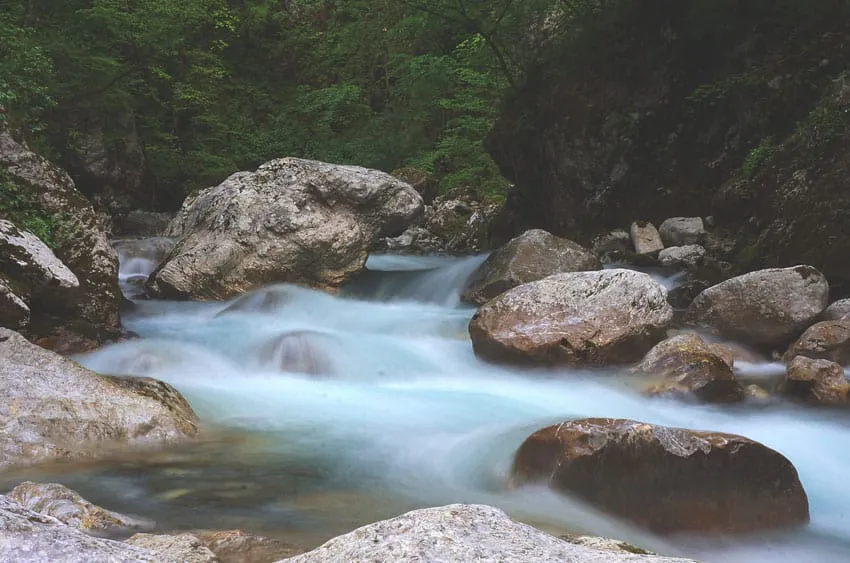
403, 415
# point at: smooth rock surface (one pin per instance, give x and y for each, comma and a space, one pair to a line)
291, 220
765, 307
67, 506
689, 367
581, 318
645, 238
52, 407
28, 260
682, 231
182, 547
688, 256
237, 546
666, 479
532, 256
826, 340
458, 533
816, 381
840, 310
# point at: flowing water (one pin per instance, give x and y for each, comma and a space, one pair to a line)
326, 412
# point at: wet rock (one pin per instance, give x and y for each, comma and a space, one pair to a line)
765, 307
757, 393
604, 544
816, 381
183, 547
52, 407
14, 312
688, 256
683, 294
79, 235
460, 221
826, 340
687, 366
266, 300
838, 311
67, 506
300, 351
615, 241
425, 184
581, 318
459, 533
682, 231
30, 537
291, 220
529, 257
237, 546
415, 240
645, 238
666, 479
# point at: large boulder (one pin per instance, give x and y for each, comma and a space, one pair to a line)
78, 236
766, 307
529, 257
666, 479
826, 340
52, 407
581, 318
819, 382
682, 231
291, 220
685, 365
460, 533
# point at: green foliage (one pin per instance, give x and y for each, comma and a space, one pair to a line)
758, 157
826, 123
19, 206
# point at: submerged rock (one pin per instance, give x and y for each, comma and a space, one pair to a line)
67, 506
291, 220
666, 479
645, 238
52, 407
766, 307
838, 311
237, 546
182, 547
300, 351
682, 231
816, 381
532, 256
581, 318
827, 340
459, 532
688, 366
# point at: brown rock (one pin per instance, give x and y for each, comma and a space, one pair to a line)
532, 256
237, 546
581, 318
826, 340
666, 479
688, 366
646, 238
820, 382
838, 311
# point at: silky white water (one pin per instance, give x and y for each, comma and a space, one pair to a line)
400, 414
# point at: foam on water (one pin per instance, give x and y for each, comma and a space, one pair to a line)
411, 412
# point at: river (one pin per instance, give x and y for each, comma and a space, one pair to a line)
399, 414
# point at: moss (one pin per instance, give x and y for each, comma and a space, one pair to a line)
19, 205
762, 154
634, 549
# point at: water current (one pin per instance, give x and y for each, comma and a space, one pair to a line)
327, 412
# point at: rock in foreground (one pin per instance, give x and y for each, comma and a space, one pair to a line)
529, 257
765, 307
581, 318
818, 382
459, 533
52, 407
292, 220
827, 340
666, 479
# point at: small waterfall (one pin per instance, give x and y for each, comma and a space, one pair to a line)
137, 259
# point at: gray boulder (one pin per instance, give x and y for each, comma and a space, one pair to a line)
532, 256
14, 312
765, 307
185, 548
682, 231
52, 407
291, 220
840, 310
688, 256
460, 532
580, 318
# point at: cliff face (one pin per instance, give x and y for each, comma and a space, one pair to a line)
648, 110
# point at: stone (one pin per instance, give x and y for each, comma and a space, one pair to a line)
292, 220
30, 537
682, 231
816, 381
300, 351
838, 311
14, 312
645, 238
580, 319
460, 533
182, 547
67, 506
238, 546
52, 407
687, 366
80, 237
29, 261
688, 256
614, 241
666, 479
766, 307
461, 222
826, 340
532, 256
425, 184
